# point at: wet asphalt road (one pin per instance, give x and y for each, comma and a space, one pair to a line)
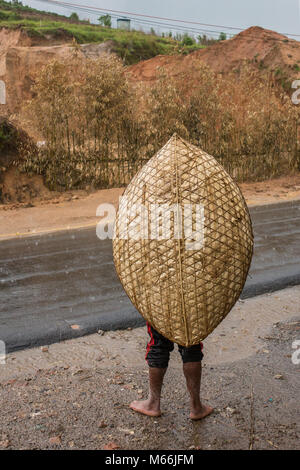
62, 285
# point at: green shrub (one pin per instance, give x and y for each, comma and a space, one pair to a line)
187, 40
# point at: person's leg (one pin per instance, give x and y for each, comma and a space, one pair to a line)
157, 357
192, 373
192, 369
151, 406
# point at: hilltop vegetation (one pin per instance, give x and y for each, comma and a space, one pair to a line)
131, 46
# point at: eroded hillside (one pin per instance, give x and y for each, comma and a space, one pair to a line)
262, 48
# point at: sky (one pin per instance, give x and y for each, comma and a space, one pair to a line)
279, 15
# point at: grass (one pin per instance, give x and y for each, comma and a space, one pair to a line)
131, 46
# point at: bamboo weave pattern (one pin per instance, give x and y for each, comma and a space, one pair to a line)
184, 293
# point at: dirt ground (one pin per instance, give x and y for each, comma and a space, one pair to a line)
75, 394
58, 211
255, 45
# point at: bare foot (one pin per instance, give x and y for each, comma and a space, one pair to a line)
145, 407
201, 413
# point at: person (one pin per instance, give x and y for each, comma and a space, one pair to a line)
157, 357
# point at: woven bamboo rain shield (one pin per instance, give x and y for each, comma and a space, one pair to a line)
184, 289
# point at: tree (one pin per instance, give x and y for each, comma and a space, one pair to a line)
187, 40
222, 37
74, 17
105, 20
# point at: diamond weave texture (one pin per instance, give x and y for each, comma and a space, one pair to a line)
184, 293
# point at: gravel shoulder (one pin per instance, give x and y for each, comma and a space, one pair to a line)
75, 394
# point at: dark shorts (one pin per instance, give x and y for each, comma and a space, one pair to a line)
159, 348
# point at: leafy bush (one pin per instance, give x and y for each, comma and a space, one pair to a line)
187, 40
